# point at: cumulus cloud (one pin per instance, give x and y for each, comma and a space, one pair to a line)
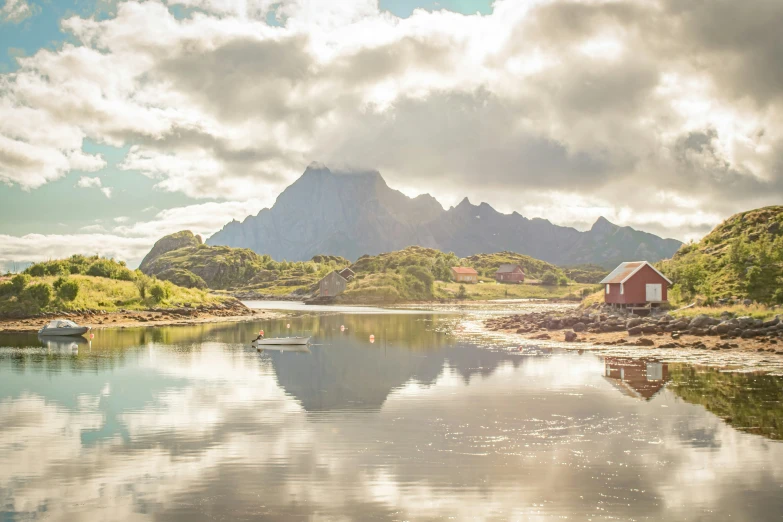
87, 182
14, 11
122, 240
536, 104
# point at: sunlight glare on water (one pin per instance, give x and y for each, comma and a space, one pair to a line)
190, 423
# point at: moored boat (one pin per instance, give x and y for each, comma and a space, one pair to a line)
63, 327
282, 341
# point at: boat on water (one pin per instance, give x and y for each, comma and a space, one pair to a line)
282, 341
63, 328
288, 348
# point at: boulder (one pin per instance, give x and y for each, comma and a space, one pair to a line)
579, 327
636, 330
643, 341
570, 337
634, 322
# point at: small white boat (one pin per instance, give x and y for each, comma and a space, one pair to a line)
282, 341
288, 348
63, 327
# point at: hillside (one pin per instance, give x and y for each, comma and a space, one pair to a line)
351, 214
487, 264
422, 274
90, 283
742, 257
183, 259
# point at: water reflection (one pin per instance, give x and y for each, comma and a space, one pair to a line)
192, 424
638, 378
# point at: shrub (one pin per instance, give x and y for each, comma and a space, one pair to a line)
159, 291
67, 290
103, 268
19, 282
142, 283
6, 288
39, 294
462, 293
549, 278
563, 281
36, 270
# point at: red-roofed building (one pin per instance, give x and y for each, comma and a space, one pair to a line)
464, 274
636, 283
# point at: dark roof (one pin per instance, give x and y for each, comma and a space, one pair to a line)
508, 268
345, 272
464, 270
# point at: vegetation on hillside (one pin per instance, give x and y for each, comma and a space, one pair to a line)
89, 283
197, 265
741, 258
588, 274
420, 274
487, 264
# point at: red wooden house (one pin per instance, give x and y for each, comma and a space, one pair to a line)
508, 273
635, 283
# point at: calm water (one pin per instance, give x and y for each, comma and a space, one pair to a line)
189, 424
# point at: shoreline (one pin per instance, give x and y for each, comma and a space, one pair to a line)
141, 318
539, 327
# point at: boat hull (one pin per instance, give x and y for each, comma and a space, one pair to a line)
64, 332
283, 341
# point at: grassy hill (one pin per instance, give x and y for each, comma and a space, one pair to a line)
184, 260
742, 258
89, 283
487, 264
421, 274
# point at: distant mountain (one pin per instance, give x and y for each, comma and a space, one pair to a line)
355, 213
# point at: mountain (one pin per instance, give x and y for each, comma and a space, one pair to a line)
742, 257
356, 213
185, 261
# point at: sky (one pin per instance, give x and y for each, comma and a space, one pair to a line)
122, 121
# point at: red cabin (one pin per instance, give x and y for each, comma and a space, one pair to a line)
635, 283
508, 273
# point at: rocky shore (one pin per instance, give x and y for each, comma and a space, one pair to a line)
608, 326
231, 310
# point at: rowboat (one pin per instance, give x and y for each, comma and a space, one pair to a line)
63, 327
282, 341
287, 348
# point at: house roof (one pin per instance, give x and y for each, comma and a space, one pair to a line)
508, 268
464, 270
347, 271
333, 273
626, 270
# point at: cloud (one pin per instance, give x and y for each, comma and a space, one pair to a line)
126, 241
87, 182
15, 11
534, 104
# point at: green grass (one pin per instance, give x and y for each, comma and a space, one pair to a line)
487, 264
492, 290
756, 311
741, 258
100, 293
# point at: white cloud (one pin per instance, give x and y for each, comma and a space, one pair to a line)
87, 182
129, 242
522, 105
107, 191
14, 11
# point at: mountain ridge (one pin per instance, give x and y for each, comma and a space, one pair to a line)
354, 213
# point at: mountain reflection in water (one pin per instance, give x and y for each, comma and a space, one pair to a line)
190, 423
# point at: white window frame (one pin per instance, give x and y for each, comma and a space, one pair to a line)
607, 288
622, 288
